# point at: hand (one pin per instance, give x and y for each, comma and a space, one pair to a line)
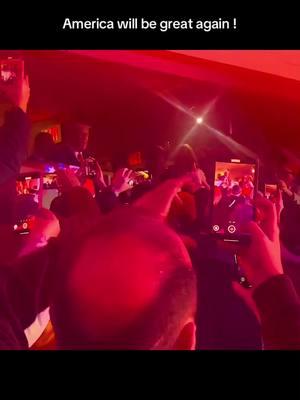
122, 181
66, 179
282, 185
99, 176
261, 260
18, 93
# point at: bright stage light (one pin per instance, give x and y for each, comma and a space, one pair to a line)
199, 120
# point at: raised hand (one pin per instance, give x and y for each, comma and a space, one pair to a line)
122, 180
261, 260
18, 93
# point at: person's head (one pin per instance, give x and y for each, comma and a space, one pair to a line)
76, 135
129, 284
43, 146
236, 190
185, 159
288, 175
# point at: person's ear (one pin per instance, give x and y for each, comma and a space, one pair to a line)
187, 337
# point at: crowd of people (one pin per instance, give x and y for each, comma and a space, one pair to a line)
125, 261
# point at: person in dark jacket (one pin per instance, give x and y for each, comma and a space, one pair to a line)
73, 148
14, 137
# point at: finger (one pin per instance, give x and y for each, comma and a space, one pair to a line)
130, 174
124, 172
264, 205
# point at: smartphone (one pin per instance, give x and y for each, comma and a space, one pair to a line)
140, 177
90, 167
74, 168
11, 70
50, 181
271, 191
61, 166
29, 184
23, 226
235, 186
50, 189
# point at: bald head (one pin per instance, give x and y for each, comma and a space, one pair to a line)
126, 282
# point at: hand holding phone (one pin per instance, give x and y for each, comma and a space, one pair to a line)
13, 84
261, 260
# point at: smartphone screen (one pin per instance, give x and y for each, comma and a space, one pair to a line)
23, 226
271, 191
233, 194
50, 181
29, 185
50, 189
11, 70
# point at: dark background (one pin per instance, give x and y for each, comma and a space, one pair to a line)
125, 108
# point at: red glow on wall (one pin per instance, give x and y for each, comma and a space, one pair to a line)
135, 159
55, 132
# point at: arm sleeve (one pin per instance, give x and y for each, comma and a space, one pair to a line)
25, 290
279, 308
14, 136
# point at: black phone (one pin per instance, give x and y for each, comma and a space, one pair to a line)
11, 70
23, 226
235, 186
50, 189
